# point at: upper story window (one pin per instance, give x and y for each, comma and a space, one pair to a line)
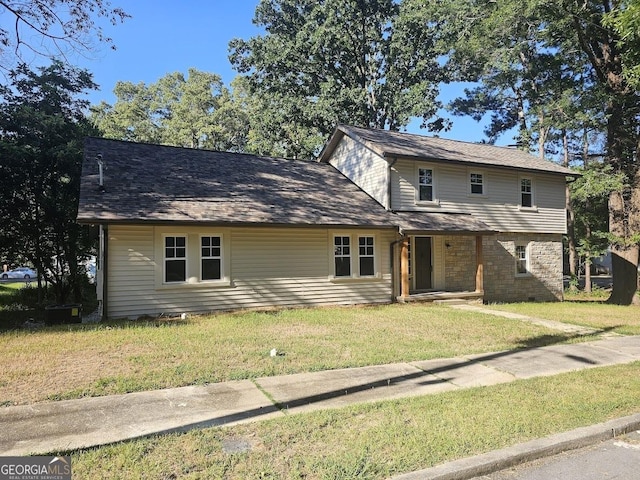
175, 259
342, 256
526, 192
211, 257
476, 183
425, 184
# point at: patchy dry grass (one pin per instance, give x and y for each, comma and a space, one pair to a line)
88, 360
376, 441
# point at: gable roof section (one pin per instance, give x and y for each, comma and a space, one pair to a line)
406, 145
153, 183
147, 183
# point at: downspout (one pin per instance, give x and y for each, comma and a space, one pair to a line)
105, 271
394, 278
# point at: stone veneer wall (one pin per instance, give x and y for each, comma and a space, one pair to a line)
460, 263
544, 283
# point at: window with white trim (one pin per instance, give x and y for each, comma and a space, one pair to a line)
425, 185
342, 256
476, 183
211, 258
366, 256
526, 192
175, 259
522, 260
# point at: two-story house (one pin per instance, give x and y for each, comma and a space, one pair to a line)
382, 216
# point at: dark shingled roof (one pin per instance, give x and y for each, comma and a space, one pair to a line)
157, 184
405, 145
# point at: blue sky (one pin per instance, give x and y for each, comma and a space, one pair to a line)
167, 36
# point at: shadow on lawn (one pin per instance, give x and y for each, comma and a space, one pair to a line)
529, 345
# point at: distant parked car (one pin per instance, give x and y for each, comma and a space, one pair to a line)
20, 272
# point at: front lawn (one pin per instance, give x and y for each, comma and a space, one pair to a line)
87, 360
372, 441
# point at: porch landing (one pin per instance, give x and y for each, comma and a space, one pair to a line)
441, 296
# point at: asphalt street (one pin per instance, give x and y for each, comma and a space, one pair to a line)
616, 459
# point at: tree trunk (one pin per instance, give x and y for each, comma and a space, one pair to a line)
623, 206
624, 257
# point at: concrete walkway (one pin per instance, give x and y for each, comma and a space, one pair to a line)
552, 324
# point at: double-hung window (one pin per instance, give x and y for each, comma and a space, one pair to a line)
366, 256
175, 259
211, 258
522, 260
354, 256
476, 183
526, 192
342, 256
425, 185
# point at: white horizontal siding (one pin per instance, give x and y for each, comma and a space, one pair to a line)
498, 207
363, 167
268, 267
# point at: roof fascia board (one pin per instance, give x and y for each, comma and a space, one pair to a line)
204, 223
390, 156
331, 145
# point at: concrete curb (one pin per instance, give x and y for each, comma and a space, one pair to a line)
491, 462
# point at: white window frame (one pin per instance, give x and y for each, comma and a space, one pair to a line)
434, 185
519, 247
166, 259
366, 254
531, 193
471, 183
193, 236
354, 257
340, 254
212, 257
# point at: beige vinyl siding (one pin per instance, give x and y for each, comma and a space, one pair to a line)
363, 167
498, 206
267, 267
438, 263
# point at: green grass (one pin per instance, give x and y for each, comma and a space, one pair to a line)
88, 360
624, 320
375, 441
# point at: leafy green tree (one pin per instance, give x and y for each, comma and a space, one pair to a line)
625, 20
42, 126
195, 112
589, 198
591, 56
52, 28
132, 117
604, 51
370, 63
